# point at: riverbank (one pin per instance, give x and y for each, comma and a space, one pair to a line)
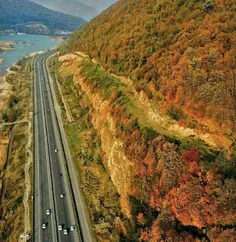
22, 45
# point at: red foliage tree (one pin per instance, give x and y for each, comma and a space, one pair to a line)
190, 156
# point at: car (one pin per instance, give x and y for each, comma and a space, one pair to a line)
62, 195
72, 228
60, 227
24, 235
65, 231
60, 175
56, 150
44, 226
48, 212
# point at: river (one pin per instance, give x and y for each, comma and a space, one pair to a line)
24, 45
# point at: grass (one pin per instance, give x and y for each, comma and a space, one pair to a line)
12, 210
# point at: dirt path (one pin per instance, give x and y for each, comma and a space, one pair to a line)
29, 159
17, 122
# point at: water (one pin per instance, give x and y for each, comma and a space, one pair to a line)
25, 45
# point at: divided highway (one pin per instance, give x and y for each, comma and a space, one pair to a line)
54, 217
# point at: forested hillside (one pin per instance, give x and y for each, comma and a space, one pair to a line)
181, 53
150, 117
28, 17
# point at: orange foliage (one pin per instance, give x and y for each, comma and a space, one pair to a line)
140, 218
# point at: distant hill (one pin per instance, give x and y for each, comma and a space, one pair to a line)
31, 18
86, 9
100, 5
72, 7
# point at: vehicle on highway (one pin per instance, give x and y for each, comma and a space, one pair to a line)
62, 195
44, 226
65, 231
24, 235
60, 227
60, 175
48, 212
72, 228
56, 150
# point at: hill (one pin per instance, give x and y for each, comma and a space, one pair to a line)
100, 5
71, 7
147, 90
186, 61
31, 18
86, 9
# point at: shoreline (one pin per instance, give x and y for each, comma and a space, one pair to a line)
17, 42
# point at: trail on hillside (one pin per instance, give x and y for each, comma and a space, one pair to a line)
29, 158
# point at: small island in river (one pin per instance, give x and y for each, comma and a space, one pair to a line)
6, 45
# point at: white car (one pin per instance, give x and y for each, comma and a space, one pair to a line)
72, 228
65, 231
44, 226
56, 150
48, 212
60, 226
24, 235
62, 195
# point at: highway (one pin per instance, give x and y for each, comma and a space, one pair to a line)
50, 173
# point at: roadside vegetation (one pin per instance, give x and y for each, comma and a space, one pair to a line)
101, 196
13, 185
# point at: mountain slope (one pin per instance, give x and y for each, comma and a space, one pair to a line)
153, 105
187, 60
71, 7
153, 109
28, 17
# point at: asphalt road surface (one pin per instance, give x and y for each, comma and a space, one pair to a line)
51, 177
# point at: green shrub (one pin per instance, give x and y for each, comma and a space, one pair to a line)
174, 112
